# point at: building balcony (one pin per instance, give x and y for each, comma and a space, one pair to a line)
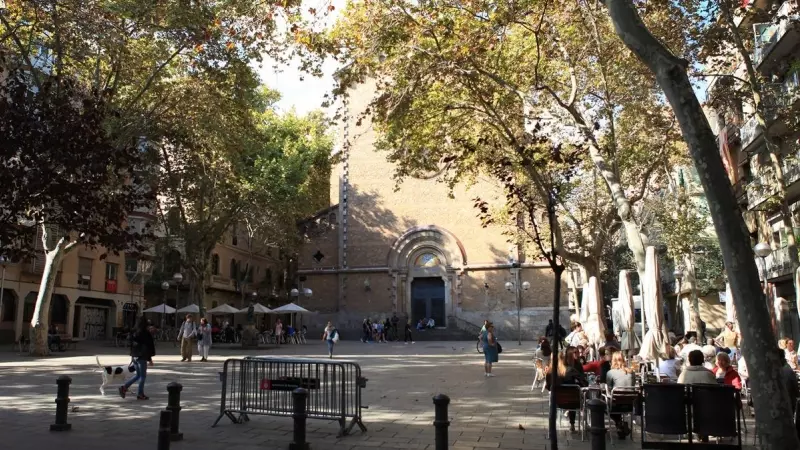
774, 41
749, 132
779, 264
740, 192
760, 188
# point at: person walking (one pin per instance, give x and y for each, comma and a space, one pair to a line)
278, 331
142, 351
407, 334
330, 336
186, 335
490, 349
203, 339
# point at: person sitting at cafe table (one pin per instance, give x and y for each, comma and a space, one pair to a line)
669, 366
596, 366
619, 376
696, 373
725, 372
567, 374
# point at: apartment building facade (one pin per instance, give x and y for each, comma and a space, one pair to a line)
94, 292
772, 30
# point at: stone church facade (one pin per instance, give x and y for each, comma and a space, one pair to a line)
416, 251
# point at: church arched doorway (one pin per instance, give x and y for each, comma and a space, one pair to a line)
428, 300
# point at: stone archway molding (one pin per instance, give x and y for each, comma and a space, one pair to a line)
430, 236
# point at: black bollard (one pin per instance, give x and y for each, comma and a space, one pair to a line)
441, 421
597, 427
174, 406
299, 397
62, 402
163, 430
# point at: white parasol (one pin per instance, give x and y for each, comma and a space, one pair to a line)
223, 309
686, 313
730, 308
584, 315
258, 308
628, 337
191, 309
653, 344
161, 309
595, 326
290, 309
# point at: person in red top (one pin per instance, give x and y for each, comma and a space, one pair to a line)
596, 366
723, 370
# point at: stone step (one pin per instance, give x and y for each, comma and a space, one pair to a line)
436, 334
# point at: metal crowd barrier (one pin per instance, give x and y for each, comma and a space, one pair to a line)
263, 386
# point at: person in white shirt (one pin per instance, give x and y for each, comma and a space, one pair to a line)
431, 323
690, 347
577, 336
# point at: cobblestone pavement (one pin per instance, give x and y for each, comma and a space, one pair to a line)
499, 412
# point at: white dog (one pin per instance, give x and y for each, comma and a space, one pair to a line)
112, 374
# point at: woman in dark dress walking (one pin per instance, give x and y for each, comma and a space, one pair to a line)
142, 351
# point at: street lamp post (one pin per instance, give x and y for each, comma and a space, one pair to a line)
165, 288
762, 250
178, 279
512, 287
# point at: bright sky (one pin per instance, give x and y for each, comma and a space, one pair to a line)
307, 94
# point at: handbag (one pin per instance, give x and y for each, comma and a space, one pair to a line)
335, 337
132, 365
499, 348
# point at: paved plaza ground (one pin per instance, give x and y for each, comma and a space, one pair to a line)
499, 412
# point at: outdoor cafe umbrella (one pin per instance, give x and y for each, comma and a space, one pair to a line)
223, 309
258, 308
595, 326
191, 309
629, 340
797, 287
730, 308
653, 344
161, 309
291, 308
584, 315
686, 313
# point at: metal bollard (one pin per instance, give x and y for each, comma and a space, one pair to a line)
440, 421
62, 402
163, 430
174, 406
597, 428
299, 397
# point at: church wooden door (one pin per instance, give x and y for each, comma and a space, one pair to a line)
428, 300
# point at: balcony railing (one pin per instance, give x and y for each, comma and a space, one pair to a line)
779, 263
768, 34
749, 131
762, 187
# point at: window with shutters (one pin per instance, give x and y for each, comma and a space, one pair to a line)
111, 271
85, 273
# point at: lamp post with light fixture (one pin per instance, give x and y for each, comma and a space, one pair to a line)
763, 250
165, 288
178, 279
511, 286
